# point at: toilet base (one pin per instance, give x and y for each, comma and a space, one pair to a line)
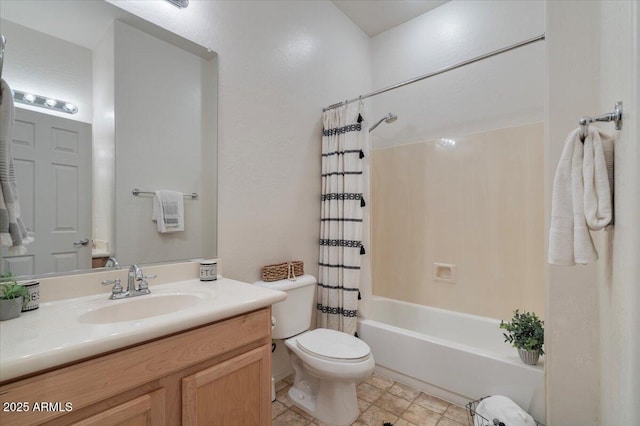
331, 401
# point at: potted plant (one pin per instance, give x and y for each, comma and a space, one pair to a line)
11, 297
525, 332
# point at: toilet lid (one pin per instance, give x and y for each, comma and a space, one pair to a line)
333, 344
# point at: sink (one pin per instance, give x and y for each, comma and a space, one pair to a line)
140, 307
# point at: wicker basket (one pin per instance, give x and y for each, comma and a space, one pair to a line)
282, 271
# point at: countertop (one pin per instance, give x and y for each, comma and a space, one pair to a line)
53, 334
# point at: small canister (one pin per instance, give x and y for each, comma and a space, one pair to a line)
208, 270
34, 296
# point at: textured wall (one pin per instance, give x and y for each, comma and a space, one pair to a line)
619, 270
572, 332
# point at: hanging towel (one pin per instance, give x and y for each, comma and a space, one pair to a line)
505, 410
13, 233
168, 211
597, 169
570, 242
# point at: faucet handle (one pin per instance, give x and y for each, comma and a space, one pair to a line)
117, 287
144, 285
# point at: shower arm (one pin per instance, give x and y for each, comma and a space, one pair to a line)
372, 128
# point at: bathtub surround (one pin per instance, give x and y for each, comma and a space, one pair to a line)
345, 134
452, 224
476, 204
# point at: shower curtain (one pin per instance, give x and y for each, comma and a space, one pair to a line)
344, 137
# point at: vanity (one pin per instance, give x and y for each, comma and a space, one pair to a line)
189, 353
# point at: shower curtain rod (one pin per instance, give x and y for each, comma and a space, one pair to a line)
440, 71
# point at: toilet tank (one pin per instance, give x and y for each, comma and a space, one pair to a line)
293, 315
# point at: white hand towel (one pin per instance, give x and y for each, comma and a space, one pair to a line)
168, 211
597, 172
505, 410
581, 198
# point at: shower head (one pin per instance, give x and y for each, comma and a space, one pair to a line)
389, 118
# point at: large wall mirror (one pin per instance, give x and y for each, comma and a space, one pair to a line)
146, 120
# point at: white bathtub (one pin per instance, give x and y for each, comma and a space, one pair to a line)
455, 356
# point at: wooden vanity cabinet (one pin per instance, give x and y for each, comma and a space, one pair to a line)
216, 374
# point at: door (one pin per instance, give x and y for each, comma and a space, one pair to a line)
52, 157
235, 392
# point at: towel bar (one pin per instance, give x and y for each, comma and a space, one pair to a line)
136, 192
615, 116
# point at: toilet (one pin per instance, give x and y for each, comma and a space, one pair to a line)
327, 364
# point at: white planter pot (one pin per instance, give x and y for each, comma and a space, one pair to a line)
529, 357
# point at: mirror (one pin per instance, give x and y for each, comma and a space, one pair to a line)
146, 119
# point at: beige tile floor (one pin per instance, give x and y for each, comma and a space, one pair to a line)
380, 400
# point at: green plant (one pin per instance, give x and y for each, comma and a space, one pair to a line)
525, 331
10, 289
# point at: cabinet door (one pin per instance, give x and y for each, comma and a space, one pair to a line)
235, 392
146, 410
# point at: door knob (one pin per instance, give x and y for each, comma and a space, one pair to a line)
82, 242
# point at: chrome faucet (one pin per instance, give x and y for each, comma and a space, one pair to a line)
135, 277
112, 262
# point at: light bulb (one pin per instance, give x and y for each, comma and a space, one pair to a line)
28, 97
71, 108
51, 102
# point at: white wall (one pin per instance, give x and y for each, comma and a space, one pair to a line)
619, 270
104, 141
503, 91
279, 64
572, 331
593, 326
44, 65
159, 145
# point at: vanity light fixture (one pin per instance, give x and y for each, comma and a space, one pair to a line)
44, 102
181, 4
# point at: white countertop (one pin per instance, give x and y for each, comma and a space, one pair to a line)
53, 335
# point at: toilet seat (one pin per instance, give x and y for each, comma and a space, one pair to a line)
332, 345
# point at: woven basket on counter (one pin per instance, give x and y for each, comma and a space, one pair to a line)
282, 271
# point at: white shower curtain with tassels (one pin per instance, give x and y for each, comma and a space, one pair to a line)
345, 134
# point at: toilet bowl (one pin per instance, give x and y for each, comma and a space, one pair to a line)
328, 365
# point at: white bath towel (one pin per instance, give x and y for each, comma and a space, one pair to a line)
168, 211
505, 410
597, 171
13, 233
570, 242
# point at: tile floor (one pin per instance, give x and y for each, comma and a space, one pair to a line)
380, 400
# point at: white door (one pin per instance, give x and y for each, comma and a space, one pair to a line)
52, 158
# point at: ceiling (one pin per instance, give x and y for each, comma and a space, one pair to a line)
376, 16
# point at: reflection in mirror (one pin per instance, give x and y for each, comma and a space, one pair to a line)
146, 118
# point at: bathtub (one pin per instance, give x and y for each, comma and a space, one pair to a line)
457, 357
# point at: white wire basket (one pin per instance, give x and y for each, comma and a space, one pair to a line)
476, 419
